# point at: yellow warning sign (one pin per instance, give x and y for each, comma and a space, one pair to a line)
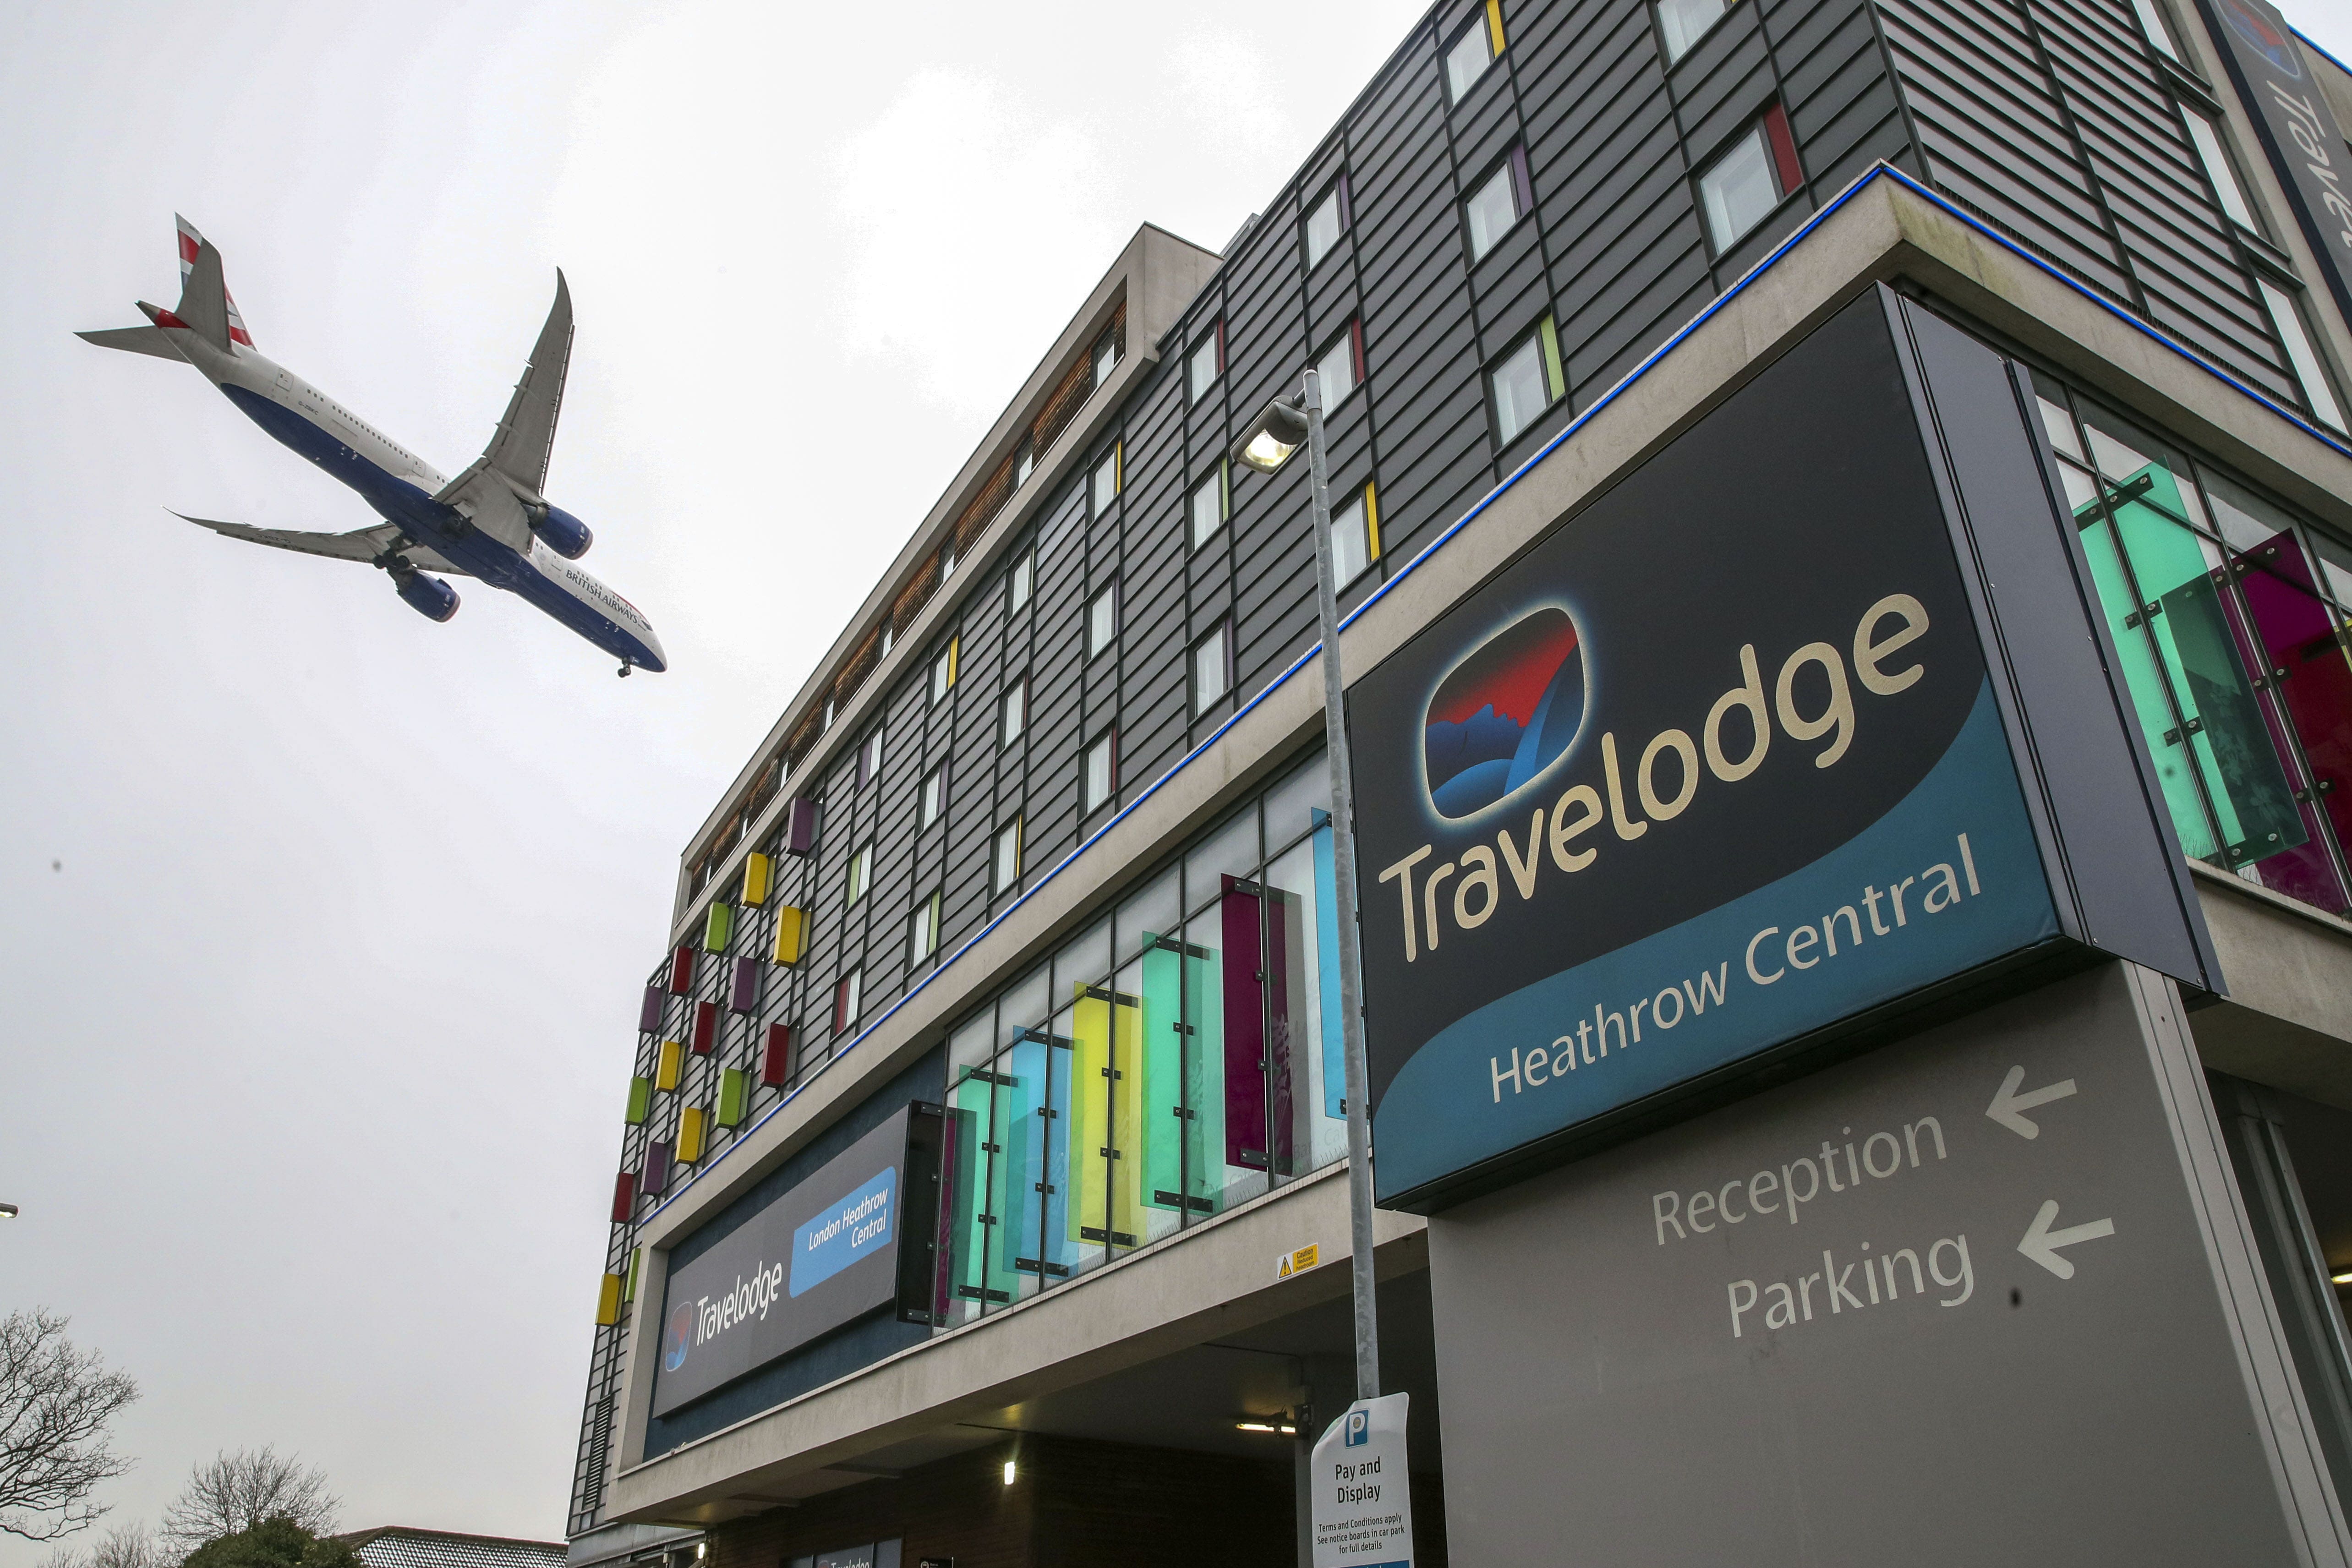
1298, 1263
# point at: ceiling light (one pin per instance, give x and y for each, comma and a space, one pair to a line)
1008, 1472
2341, 1276
1254, 1427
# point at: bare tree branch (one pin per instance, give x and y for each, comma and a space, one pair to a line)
233, 1492
56, 1404
124, 1546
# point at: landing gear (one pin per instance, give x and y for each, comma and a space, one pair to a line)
624, 669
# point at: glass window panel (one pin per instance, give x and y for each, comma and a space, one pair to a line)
1100, 778
1301, 909
1521, 391
1202, 368
1106, 482
2335, 563
1492, 209
1106, 357
1025, 1003
1307, 789
1022, 576
1085, 960
1211, 665
1685, 21
1467, 61
2316, 389
1008, 855
1016, 712
1351, 541
1231, 850
1153, 912
2082, 490
1102, 620
1738, 189
1323, 226
935, 795
2152, 22
1208, 508
1106, 1085
1336, 370
2218, 167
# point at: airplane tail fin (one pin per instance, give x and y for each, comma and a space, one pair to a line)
204, 301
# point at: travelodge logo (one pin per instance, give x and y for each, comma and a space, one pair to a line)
678, 1338
2264, 35
1502, 716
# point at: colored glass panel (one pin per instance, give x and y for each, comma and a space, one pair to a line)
705, 1028
2195, 701
1326, 967
989, 1152
637, 1267
717, 927
2292, 635
758, 872
608, 1301
649, 1012
799, 826
1106, 1113
792, 931
1258, 1030
667, 1063
625, 1197
1182, 1063
1037, 1148
655, 1179
743, 989
641, 1099
682, 971
734, 1096
693, 1128
776, 1056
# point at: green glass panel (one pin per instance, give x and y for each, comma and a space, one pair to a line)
1181, 1047
717, 927
734, 1094
641, 1099
2222, 728
2145, 681
984, 1189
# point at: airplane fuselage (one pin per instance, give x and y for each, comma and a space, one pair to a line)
402, 488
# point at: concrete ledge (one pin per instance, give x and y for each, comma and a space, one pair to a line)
2287, 1022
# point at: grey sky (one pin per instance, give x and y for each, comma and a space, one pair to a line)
316, 1045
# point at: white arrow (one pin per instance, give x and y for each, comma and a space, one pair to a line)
2007, 1105
2041, 1243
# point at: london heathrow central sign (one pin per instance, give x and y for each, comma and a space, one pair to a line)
1800, 725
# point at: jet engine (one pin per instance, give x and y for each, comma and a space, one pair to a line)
566, 535
429, 596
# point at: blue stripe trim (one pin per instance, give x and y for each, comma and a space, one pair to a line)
1771, 258
2309, 43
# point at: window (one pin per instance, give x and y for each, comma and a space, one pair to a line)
1355, 537
1473, 50
923, 930
2151, 22
1008, 856
2207, 137
1212, 502
1212, 672
1025, 462
943, 672
1528, 380
1748, 178
1102, 771
1498, 203
1340, 366
1102, 620
1206, 364
1685, 21
826, 722
1012, 711
947, 560
869, 756
2287, 316
1326, 222
1106, 355
861, 872
1106, 482
1019, 580
935, 794
845, 1001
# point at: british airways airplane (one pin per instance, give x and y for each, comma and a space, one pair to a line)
490, 522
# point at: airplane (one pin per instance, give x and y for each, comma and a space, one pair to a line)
490, 522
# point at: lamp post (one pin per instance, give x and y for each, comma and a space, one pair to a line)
1280, 431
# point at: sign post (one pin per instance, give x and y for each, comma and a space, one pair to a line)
1362, 1493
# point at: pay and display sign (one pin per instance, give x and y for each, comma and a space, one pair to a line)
1746, 756
1362, 1505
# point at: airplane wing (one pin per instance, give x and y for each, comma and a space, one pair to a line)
519, 447
360, 544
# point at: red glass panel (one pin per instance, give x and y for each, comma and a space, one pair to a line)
625, 1197
682, 971
776, 1056
706, 1027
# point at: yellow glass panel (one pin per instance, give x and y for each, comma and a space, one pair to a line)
608, 1301
790, 932
1372, 522
1106, 1116
1495, 24
666, 1065
756, 871
691, 1128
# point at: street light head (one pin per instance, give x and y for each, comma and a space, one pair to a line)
1267, 444
7, 1211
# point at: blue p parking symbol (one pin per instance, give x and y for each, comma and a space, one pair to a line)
1360, 1428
